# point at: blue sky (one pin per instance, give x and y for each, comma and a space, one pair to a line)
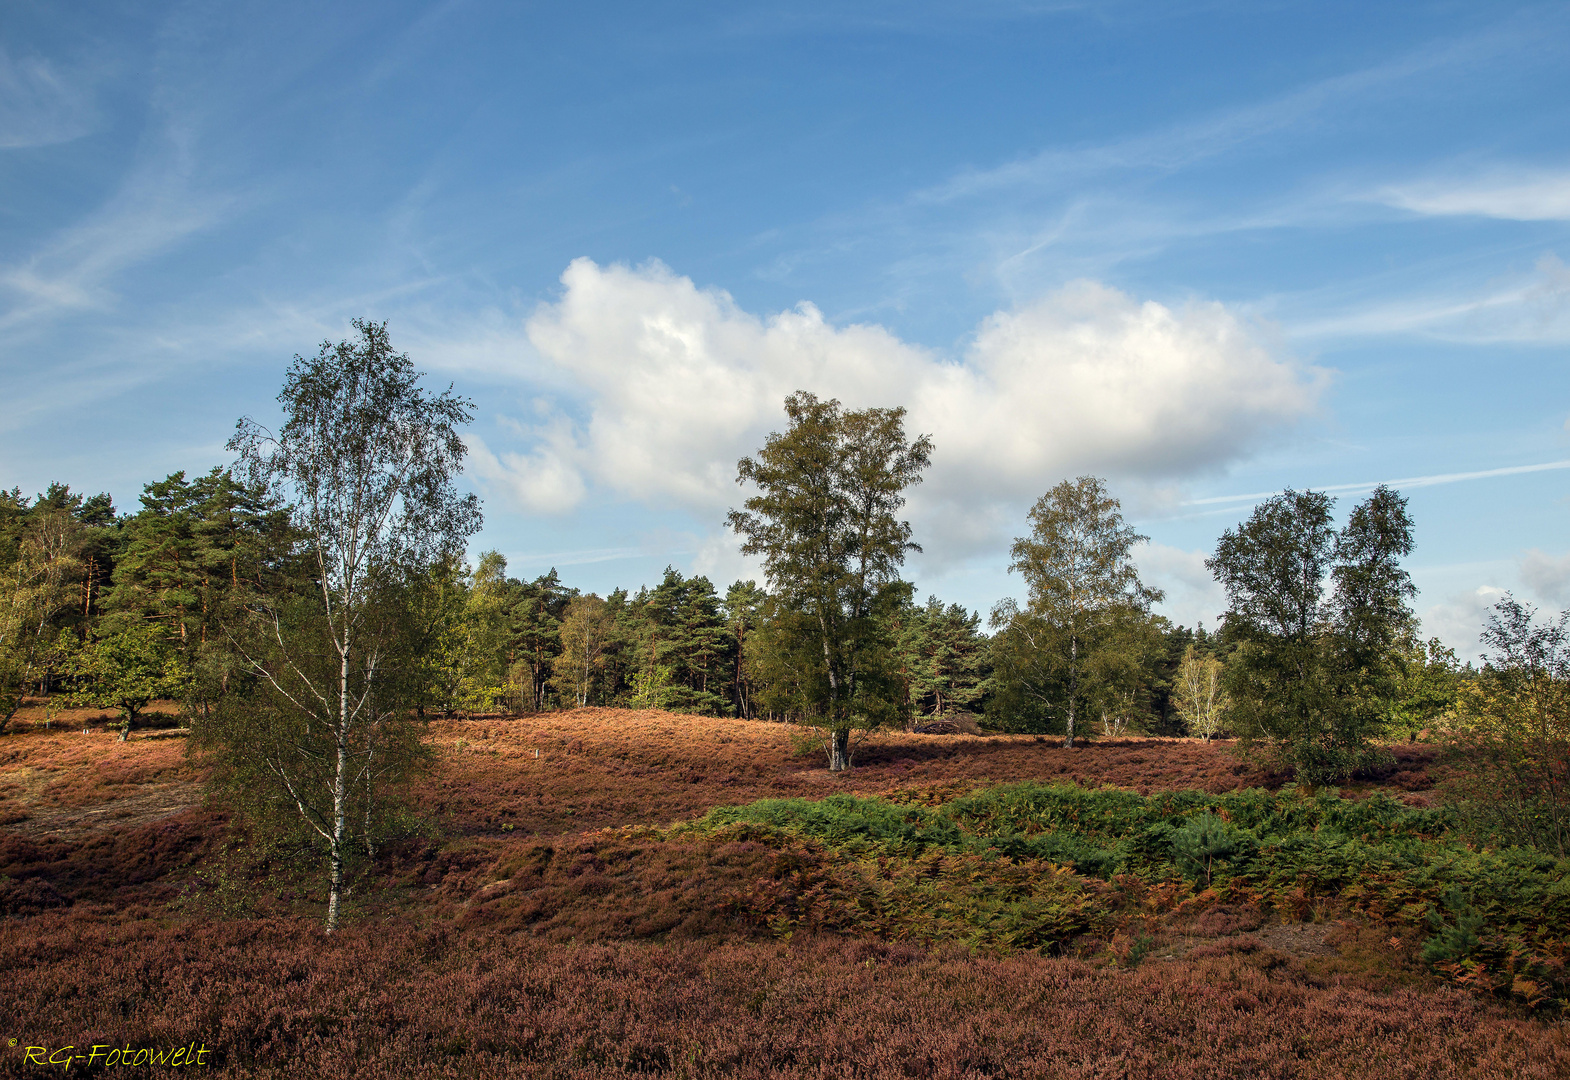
1205, 250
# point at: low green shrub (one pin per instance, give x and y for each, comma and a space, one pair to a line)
954, 869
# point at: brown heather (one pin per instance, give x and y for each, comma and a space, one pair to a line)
613, 767
585, 940
279, 999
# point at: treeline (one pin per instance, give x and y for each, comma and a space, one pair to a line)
118, 610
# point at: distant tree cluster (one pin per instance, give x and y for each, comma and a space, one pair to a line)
119, 611
122, 610
1316, 657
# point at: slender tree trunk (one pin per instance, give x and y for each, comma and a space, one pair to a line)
340, 790
839, 738
370, 781
1073, 685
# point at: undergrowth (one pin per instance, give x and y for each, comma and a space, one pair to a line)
1034, 866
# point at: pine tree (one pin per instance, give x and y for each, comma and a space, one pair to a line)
535, 613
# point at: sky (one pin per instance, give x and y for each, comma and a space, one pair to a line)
1207, 251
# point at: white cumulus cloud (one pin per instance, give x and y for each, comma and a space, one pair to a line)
1548, 576
1458, 620
676, 382
1192, 595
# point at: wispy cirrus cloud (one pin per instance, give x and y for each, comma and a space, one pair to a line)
1090, 209
1512, 194
1184, 143
77, 268
1525, 307
1232, 502
42, 104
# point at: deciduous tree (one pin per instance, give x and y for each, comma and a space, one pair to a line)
825, 523
1083, 636
128, 669
586, 636
1198, 695
1317, 617
35, 588
1511, 731
366, 459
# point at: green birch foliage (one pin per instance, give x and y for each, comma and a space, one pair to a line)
42, 548
482, 658
1510, 732
588, 635
1428, 678
824, 520
1198, 696
1080, 646
366, 459
1317, 618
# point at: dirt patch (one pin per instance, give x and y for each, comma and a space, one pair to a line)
1299, 939
1222, 931
157, 802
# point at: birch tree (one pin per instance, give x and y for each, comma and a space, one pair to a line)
34, 588
1084, 627
825, 522
366, 460
586, 633
1198, 696
1318, 617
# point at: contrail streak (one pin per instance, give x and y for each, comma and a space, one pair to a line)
1408, 482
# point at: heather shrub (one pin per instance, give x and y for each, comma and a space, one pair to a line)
279, 998
1224, 920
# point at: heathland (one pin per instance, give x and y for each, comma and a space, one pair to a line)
608, 892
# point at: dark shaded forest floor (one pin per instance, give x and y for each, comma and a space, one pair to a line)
546, 923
